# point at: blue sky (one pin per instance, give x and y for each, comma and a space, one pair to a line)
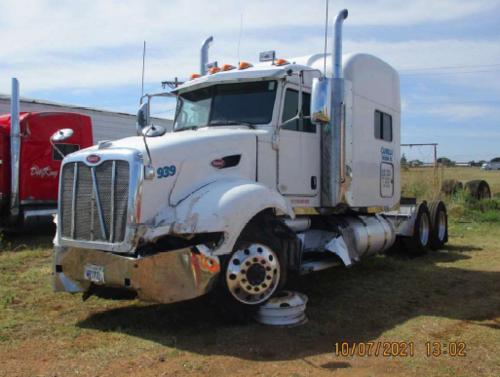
89, 53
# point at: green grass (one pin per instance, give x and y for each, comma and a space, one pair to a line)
443, 296
425, 183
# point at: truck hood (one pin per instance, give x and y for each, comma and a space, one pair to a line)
182, 162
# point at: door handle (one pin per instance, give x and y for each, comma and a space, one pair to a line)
314, 182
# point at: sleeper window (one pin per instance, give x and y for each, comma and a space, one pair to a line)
383, 126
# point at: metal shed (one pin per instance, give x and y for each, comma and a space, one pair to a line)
107, 125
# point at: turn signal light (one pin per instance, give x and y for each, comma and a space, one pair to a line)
195, 76
281, 62
228, 67
214, 70
244, 65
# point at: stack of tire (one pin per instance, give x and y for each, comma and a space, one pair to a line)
477, 189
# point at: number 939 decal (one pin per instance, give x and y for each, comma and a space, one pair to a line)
166, 171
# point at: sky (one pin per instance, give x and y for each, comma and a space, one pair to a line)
90, 53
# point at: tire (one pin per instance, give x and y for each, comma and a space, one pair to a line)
451, 186
439, 225
252, 274
418, 243
478, 189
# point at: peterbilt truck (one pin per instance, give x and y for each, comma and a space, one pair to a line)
273, 169
30, 160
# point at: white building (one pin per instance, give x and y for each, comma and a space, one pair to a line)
107, 125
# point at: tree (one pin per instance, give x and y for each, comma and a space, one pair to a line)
445, 161
404, 161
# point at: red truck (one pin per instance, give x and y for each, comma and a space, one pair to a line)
30, 160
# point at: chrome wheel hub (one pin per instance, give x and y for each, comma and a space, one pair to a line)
253, 274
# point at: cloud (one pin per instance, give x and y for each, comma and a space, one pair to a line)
461, 112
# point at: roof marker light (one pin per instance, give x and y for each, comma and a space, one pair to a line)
213, 70
281, 62
228, 67
244, 65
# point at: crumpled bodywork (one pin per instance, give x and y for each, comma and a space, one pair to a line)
163, 277
222, 206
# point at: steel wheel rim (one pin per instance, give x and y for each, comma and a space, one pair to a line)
423, 229
253, 274
441, 225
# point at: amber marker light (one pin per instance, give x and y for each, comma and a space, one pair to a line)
244, 65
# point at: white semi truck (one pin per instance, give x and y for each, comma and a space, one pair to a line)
282, 166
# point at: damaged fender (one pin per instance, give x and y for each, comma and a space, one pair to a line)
221, 206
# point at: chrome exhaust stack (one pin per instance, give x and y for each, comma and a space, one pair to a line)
336, 142
204, 55
15, 149
327, 106
337, 44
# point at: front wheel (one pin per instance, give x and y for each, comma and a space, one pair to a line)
252, 273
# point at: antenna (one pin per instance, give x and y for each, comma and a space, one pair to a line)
143, 68
239, 36
326, 37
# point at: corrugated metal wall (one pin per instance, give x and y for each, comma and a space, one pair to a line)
107, 125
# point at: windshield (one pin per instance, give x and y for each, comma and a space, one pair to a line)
225, 104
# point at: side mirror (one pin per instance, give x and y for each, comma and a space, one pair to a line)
61, 135
58, 136
154, 131
321, 100
142, 117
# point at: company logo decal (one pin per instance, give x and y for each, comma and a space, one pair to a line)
387, 154
45, 172
93, 159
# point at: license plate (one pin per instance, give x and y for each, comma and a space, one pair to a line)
94, 273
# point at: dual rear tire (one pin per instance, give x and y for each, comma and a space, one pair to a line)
430, 229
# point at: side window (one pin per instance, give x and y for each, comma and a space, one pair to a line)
290, 110
65, 149
383, 126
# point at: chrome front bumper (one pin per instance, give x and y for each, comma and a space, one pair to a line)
164, 277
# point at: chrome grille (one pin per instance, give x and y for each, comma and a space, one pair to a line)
94, 201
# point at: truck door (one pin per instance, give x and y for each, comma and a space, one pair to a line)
299, 149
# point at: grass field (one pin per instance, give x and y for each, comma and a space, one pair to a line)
425, 183
448, 296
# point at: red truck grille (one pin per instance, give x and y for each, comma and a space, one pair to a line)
94, 201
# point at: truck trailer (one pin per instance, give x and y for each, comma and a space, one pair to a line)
284, 167
30, 162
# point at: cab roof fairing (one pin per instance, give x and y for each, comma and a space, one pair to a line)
256, 73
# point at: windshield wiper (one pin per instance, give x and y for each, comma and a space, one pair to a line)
231, 123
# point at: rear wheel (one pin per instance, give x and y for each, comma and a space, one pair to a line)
419, 241
439, 225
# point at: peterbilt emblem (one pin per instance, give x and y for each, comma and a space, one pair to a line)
93, 159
